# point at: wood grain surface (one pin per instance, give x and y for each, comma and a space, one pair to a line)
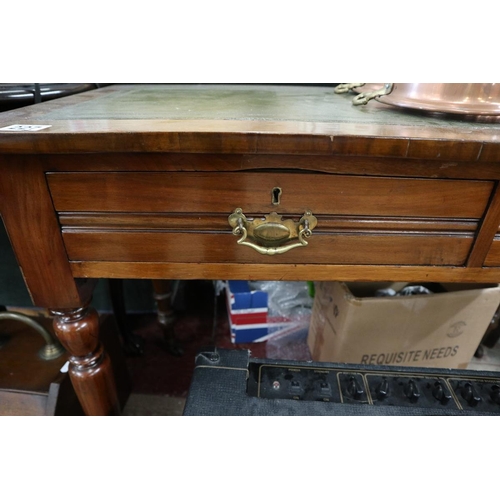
241, 119
224, 192
31, 223
290, 272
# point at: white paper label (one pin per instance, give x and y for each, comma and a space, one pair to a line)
25, 128
65, 367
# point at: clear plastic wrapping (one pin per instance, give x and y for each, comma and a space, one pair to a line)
290, 300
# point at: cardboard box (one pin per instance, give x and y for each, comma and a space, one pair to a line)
350, 325
249, 317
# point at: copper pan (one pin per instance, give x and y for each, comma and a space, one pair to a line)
472, 99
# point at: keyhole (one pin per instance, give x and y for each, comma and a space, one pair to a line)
276, 196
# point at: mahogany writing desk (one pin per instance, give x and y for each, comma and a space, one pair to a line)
237, 182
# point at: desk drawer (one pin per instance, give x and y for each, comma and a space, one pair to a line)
196, 247
188, 192
183, 217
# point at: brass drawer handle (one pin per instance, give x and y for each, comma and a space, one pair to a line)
269, 233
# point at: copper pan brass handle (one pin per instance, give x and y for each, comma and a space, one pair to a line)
343, 88
365, 97
270, 236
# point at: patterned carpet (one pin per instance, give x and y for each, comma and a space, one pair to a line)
161, 373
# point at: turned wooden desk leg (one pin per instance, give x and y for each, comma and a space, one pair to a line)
90, 367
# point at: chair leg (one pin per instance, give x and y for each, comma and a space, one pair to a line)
133, 344
166, 315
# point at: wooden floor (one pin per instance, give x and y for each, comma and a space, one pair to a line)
153, 405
